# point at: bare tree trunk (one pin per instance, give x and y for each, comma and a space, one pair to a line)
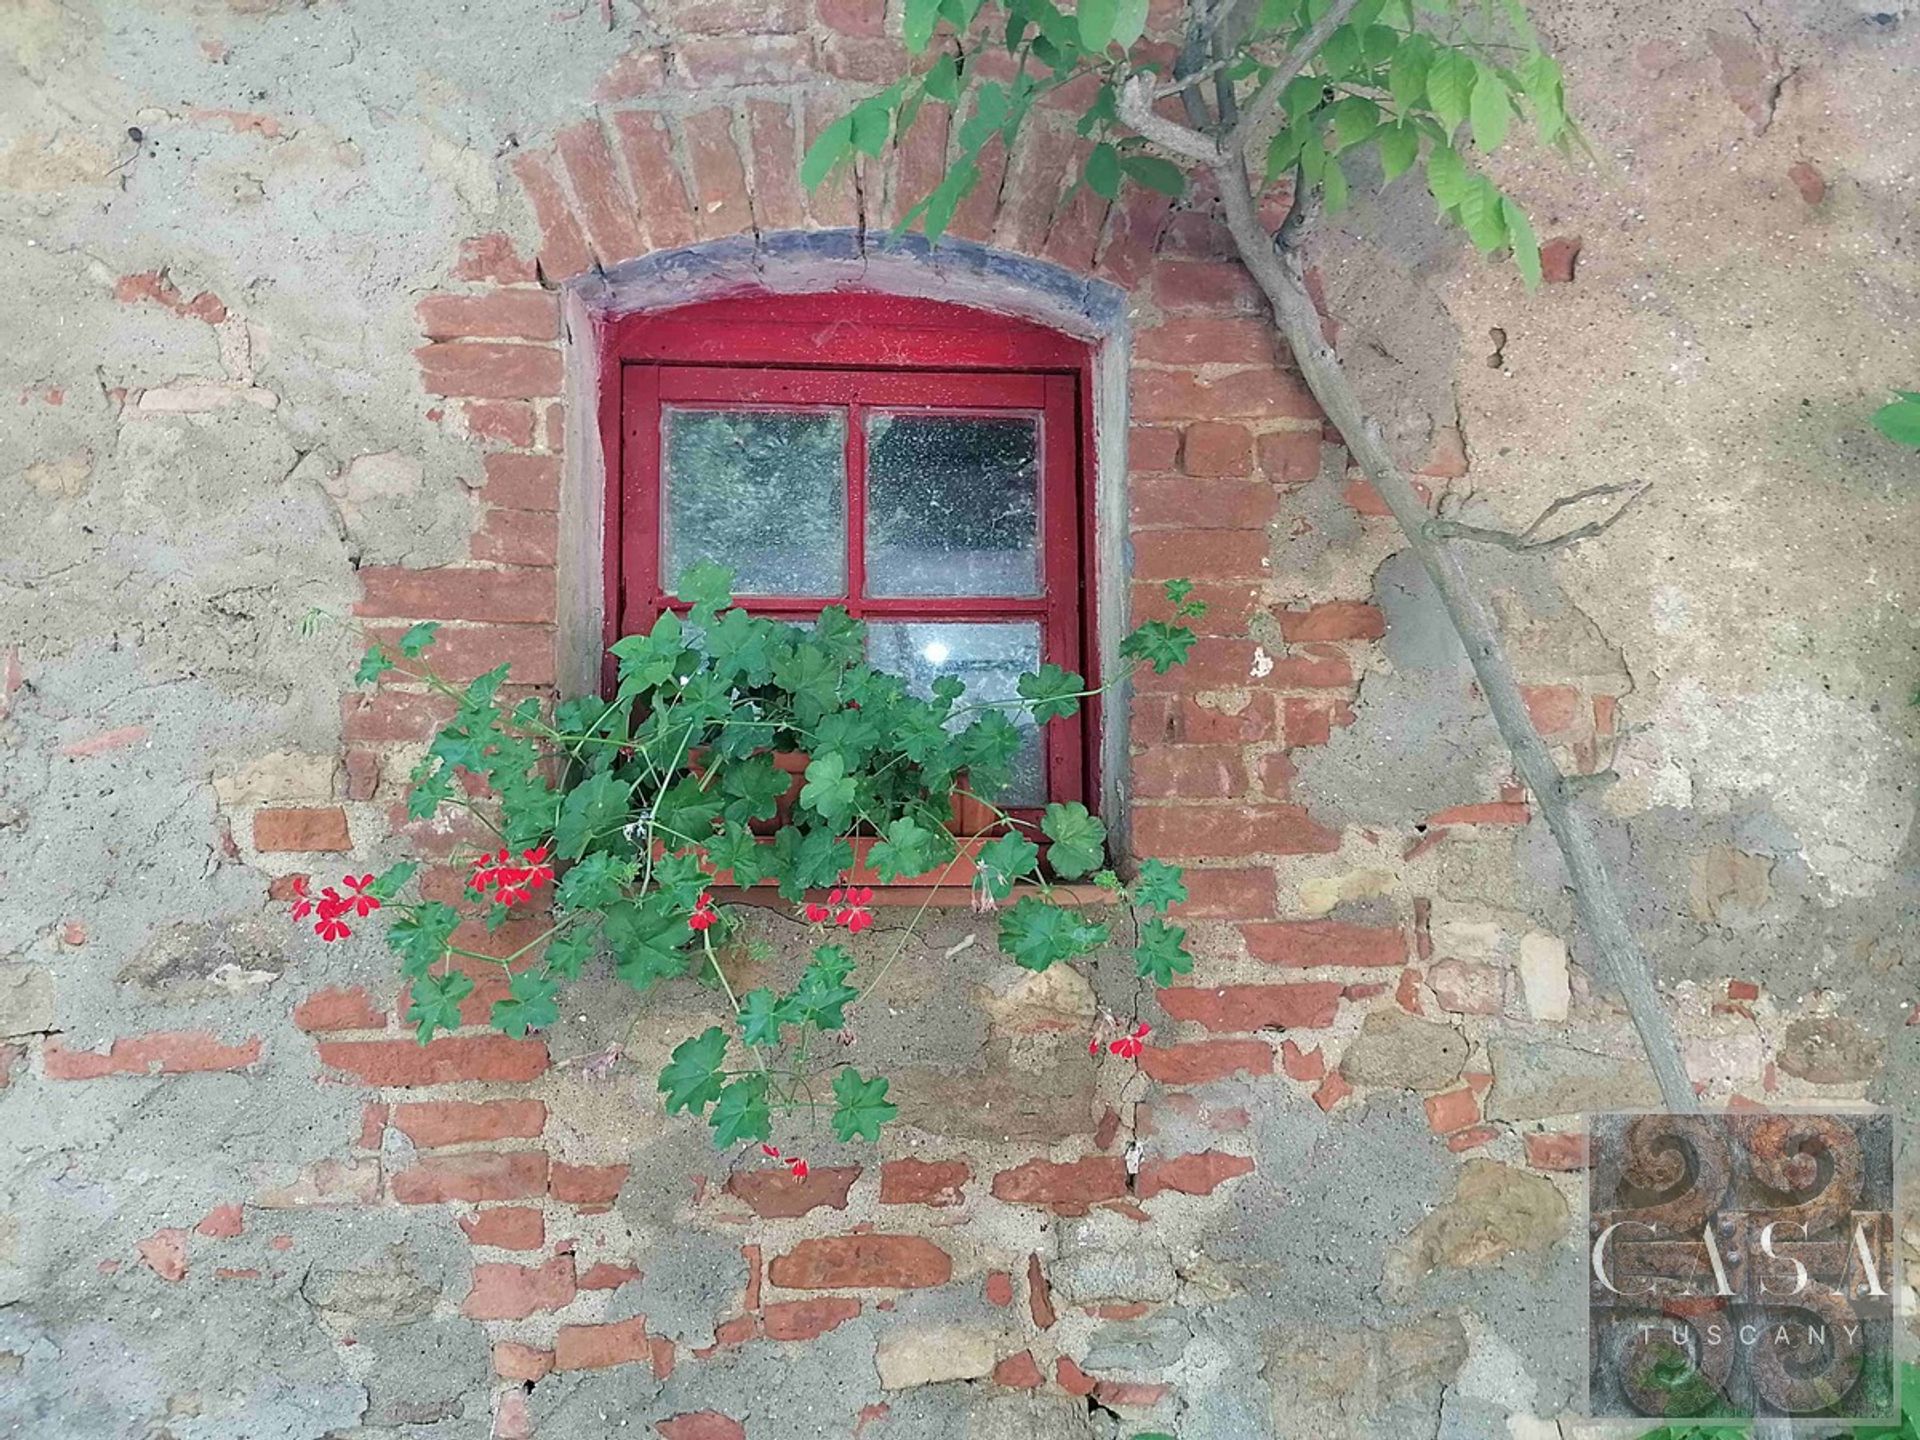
1277, 271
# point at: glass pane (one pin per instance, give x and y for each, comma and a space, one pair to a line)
953, 505
762, 492
989, 658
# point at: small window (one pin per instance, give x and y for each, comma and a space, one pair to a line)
943, 503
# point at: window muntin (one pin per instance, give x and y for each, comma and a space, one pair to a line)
959, 540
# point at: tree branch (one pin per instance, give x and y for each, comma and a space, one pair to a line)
1134, 106
1521, 542
1268, 95
1279, 276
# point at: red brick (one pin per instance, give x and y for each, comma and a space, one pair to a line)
456, 592
1072, 1378
1472, 1138
294, 830
1335, 620
1306, 722
807, 1319
1182, 720
162, 1052
852, 17
513, 1175
1560, 254
514, 1361
1199, 1174
1221, 832
513, 1292
339, 1007
701, 1425
720, 180
1220, 663
1446, 458
1454, 1110
498, 315
1298, 1064
465, 652
1182, 503
1557, 1150
490, 369
1332, 1091
774, 1194
1742, 990
1277, 774
1067, 1189
1200, 1061
223, 1222
605, 208
1209, 340
507, 422
434, 1123
723, 62
1213, 448
1153, 450
511, 1227
1263, 394
600, 1347
165, 1253
1290, 456
1554, 709
363, 775
1019, 1372
1133, 1394
1325, 942
778, 201
999, 1288
517, 537
1189, 772
1202, 555
1228, 895
596, 1185
563, 248
1254, 1007
939, 1183
1494, 812
522, 482
384, 717
1204, 285
1039, 1294
647, 146
835, 1262
492, 257
439, 1062
605, 1276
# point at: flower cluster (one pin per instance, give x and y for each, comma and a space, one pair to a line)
330, 908
850, 907
703, 916
796, 1167
1127, 1046
511, 884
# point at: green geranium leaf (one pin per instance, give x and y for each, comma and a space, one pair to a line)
595, 883
373, 665
706, 586
529, 1004
1079, 840
863, 1106
762, 1013
418, 638
1004, 862
753, 787
1159, 886
691, 1080
1052, 693
821, 997
1159, 644
1162, 953
742, 1112
647, 940
1900, 421
1037, 934
829, 791
436, 1002
392, 880
421, 937
594, 809
907, 849
567, 953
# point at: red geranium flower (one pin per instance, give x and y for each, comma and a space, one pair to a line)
816, 913
361, 903
703, 916
798, 1168
539, 872
302, 902
853, 914
1129, 1046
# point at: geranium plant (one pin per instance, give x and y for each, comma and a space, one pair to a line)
741, 751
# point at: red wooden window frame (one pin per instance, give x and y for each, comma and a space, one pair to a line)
860, 351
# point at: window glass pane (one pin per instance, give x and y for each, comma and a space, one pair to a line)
989, 658
953, 505
762, 492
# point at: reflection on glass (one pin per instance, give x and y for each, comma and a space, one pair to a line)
762, 492
953, 505
990, 659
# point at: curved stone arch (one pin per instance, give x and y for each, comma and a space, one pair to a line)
811, 262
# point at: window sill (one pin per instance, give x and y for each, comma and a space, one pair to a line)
940, 897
